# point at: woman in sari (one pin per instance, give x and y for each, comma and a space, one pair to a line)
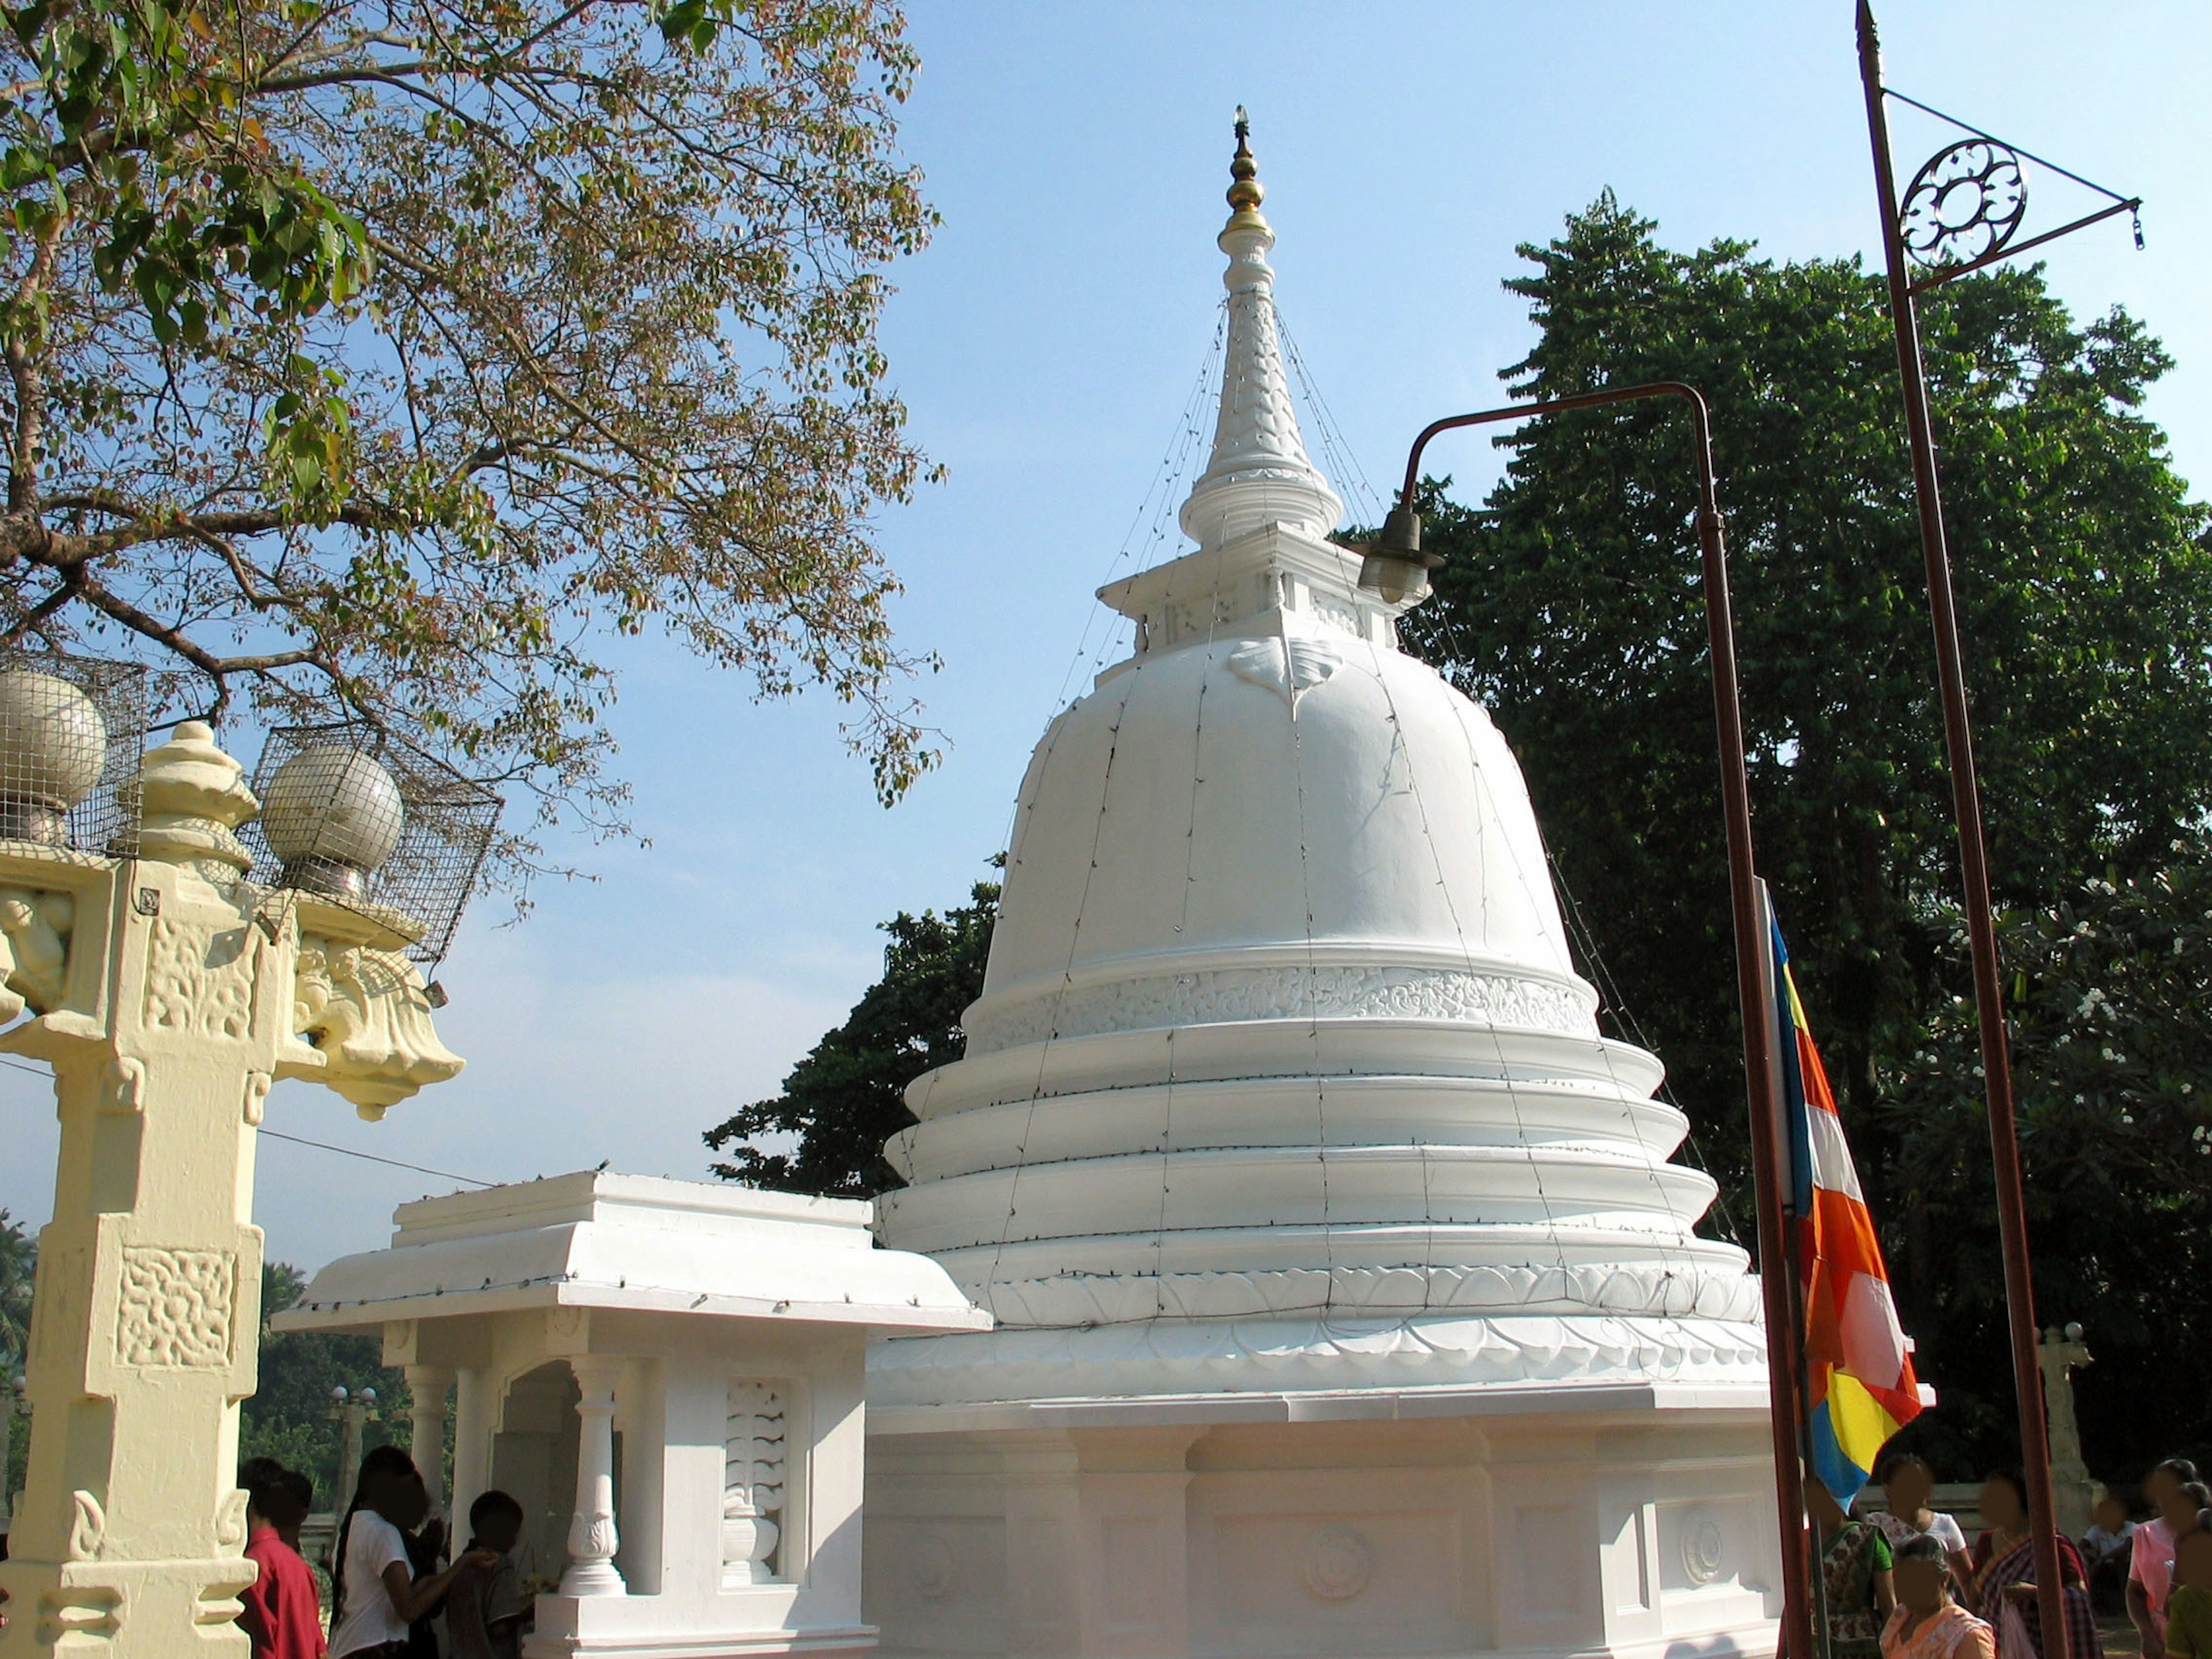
2004, 1577
1926, 1623
1855, 1569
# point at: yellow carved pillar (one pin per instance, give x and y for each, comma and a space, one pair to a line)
165, 994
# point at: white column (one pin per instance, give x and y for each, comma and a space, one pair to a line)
592, 1539
426, 1411
471, 1443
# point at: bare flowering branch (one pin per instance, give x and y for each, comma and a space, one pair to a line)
388, 356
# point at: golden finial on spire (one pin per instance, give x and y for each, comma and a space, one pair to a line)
1246, 194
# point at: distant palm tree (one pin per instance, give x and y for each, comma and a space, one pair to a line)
19, 1261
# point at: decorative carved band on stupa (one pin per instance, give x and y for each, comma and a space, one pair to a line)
1221, 996
1674, 1290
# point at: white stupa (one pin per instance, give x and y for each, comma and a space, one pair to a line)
1348, 1300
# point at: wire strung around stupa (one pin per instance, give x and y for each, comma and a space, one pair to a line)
1347, 470
1131, 680
1337, 454
1400, 749
1148, 526
1617, 1004
1670, 1247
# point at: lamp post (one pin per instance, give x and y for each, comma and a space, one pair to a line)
168, 992
1988, 211
352, 1413
1394, 566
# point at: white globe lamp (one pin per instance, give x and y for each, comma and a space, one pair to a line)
332, 815
53, 743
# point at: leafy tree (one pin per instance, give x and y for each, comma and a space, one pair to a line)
377, 356
287, 1418
848, 1096
19, 1267
1571, 605
19, 1263
2113, 1057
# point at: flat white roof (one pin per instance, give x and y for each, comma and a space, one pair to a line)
599, 1239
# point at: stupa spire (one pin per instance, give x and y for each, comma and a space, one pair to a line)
1259, 473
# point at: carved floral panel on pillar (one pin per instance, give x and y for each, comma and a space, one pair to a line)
199, 979
753, 1477
176, 1307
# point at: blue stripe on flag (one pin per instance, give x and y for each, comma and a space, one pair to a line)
1800, 1128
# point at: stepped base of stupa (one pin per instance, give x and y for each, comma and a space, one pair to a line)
1513, 1485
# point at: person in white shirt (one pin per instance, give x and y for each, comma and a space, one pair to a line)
374, 1595
2107, 1549
1907, 1483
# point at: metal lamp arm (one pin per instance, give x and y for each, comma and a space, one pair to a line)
1784, 1412
1698, 416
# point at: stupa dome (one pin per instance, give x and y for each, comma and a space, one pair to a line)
1282, 1074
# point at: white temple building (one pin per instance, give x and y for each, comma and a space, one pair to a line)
1348, 1301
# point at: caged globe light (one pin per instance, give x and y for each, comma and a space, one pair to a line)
53, 743
333, 815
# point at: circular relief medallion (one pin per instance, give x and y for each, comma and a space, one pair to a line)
936, 1568
1701, 1547
1337, 1564
1964, 205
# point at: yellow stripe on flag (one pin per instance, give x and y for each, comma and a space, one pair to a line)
1861, 1425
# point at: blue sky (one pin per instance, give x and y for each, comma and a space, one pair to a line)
1046, 345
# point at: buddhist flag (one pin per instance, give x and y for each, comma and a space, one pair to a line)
1860, 1386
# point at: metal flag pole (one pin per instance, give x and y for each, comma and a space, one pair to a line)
1966, 794
1395, 565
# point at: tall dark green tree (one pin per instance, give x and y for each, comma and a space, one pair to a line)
826, 1130
1571, 604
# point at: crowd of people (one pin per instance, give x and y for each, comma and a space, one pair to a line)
1904, 1583
392, 1595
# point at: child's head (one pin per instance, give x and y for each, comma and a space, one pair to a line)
2192, 1554
2166, 1487
1821, 1504
2111, 1514
1919, 1572
277, 1497
1907, 1483
497, 1520
254, 1474
302, 1491
2004, 1500
390, 1486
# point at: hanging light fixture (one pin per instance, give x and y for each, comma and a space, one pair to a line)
1394, 568
361, 819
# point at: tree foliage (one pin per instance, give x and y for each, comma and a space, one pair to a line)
19, 1267
288, 1417
387, 356
1571, 605
19, 1264
848, 1096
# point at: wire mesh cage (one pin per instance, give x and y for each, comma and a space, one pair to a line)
361, 818
71, 732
